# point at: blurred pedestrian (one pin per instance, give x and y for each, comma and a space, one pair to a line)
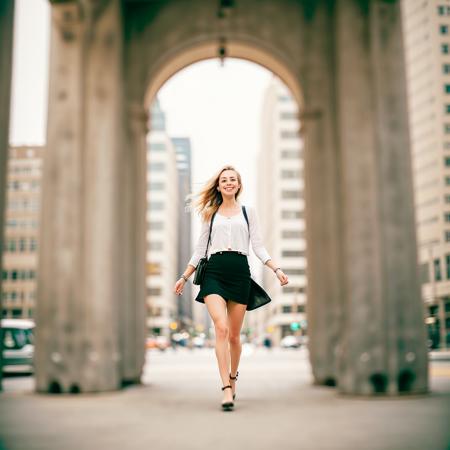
225, 288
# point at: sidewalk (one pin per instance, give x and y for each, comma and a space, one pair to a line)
277, 408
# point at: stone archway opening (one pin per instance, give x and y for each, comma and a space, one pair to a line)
295, 268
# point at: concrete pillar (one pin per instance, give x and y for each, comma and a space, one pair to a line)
322, 209
79, 276
6, 40
383, 346
134, 187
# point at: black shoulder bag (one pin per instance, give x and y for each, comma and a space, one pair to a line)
258, 296
201, 266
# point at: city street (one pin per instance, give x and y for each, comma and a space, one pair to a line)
178, 408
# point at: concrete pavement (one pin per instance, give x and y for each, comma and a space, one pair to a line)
178, 408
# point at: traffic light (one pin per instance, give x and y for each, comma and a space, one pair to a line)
295, 326
173, 326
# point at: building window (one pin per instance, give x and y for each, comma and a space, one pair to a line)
447, 181
446, 88
447, 128
446, 68
286, 309
285, 194
447, 236
291, 134
157, 147
159, 185
155, 245
156, 206
290, 154
156, 166
444, 49
292, 253
155, 225
289, 174
447, 198
437, 269
285, 214
447, 265
154, 291
447, 217
286, 115
447, 109
22, 244
443, 29
294, 271
292, 234
33, 244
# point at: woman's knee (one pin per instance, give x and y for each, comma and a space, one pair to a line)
222, 331
234, 339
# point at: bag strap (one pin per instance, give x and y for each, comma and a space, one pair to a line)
210, 229
246, 219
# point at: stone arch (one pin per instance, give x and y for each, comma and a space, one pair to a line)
163, 69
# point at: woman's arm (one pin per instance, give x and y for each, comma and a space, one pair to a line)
260, 250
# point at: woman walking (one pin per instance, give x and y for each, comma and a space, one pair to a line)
225, 288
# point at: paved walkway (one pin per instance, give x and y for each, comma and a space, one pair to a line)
178, 409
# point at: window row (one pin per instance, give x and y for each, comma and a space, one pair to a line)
291, 153
18, 274
17, 185
286, 309
24, 204
22, 223
288, 214
293, 253
20, 245
292, 234
18, 295
291, 193
16, 313
24, 170
443, 10
157, 166
294, 289
291, 173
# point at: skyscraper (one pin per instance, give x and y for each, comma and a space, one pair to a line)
162, 221
281, 208
21, 231
182, 147
427, 52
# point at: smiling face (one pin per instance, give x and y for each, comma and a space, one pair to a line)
229, 184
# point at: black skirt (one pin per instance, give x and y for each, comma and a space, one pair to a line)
228, 275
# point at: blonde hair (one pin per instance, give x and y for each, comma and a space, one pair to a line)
209, 198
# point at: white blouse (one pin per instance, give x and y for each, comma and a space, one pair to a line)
231, 233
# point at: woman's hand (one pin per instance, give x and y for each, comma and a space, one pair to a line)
282, 277
179, 285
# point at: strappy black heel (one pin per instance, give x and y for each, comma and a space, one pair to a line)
234, 379
227, 406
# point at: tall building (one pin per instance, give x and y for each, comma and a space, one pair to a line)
427, 53
182, 147
21, 231
281, 210
162, 222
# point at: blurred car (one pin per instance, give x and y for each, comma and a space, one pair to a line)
158, 342
18, 345
290, 342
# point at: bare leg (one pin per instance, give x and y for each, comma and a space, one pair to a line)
236, 313
218, 311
